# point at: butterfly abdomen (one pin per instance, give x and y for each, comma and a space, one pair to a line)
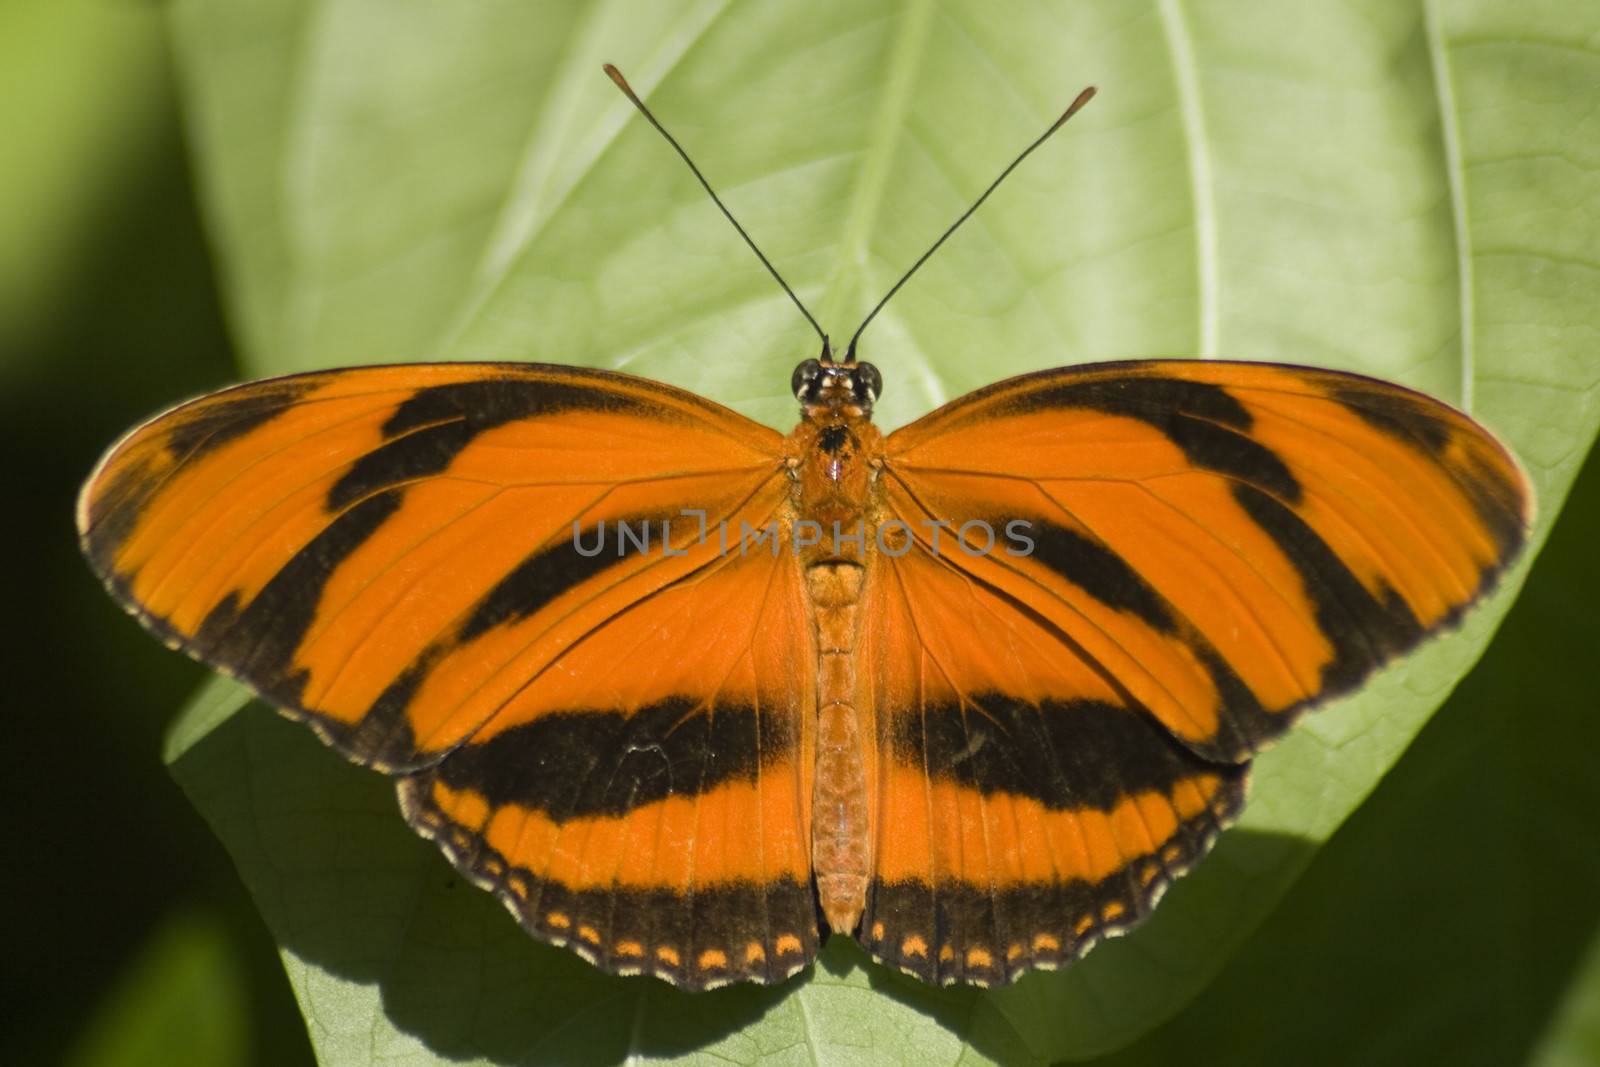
840, 830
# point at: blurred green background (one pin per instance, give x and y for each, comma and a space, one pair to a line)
129, 938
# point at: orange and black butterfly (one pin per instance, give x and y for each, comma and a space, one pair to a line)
686, 693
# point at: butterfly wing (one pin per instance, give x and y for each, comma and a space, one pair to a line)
1027, 806
424, 562
1208, 550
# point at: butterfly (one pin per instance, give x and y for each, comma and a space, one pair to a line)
686, 693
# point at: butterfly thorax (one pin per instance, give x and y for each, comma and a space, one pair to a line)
834, 462
833, 457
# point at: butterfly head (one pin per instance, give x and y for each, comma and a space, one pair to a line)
825, 388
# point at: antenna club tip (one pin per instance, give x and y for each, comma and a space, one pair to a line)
1076, 105
616, 76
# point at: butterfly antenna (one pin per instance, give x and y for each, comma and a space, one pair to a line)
1072, 109
622, 83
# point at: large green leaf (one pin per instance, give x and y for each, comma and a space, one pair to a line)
1410, 191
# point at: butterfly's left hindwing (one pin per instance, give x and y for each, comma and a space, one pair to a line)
425, 563
1028, 806
1207, 549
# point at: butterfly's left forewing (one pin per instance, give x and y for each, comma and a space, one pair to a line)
429, 564
1205, 550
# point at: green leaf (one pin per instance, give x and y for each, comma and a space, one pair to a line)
180, 1002
1408, 191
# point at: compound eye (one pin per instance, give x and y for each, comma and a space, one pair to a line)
804, 375
869, 383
